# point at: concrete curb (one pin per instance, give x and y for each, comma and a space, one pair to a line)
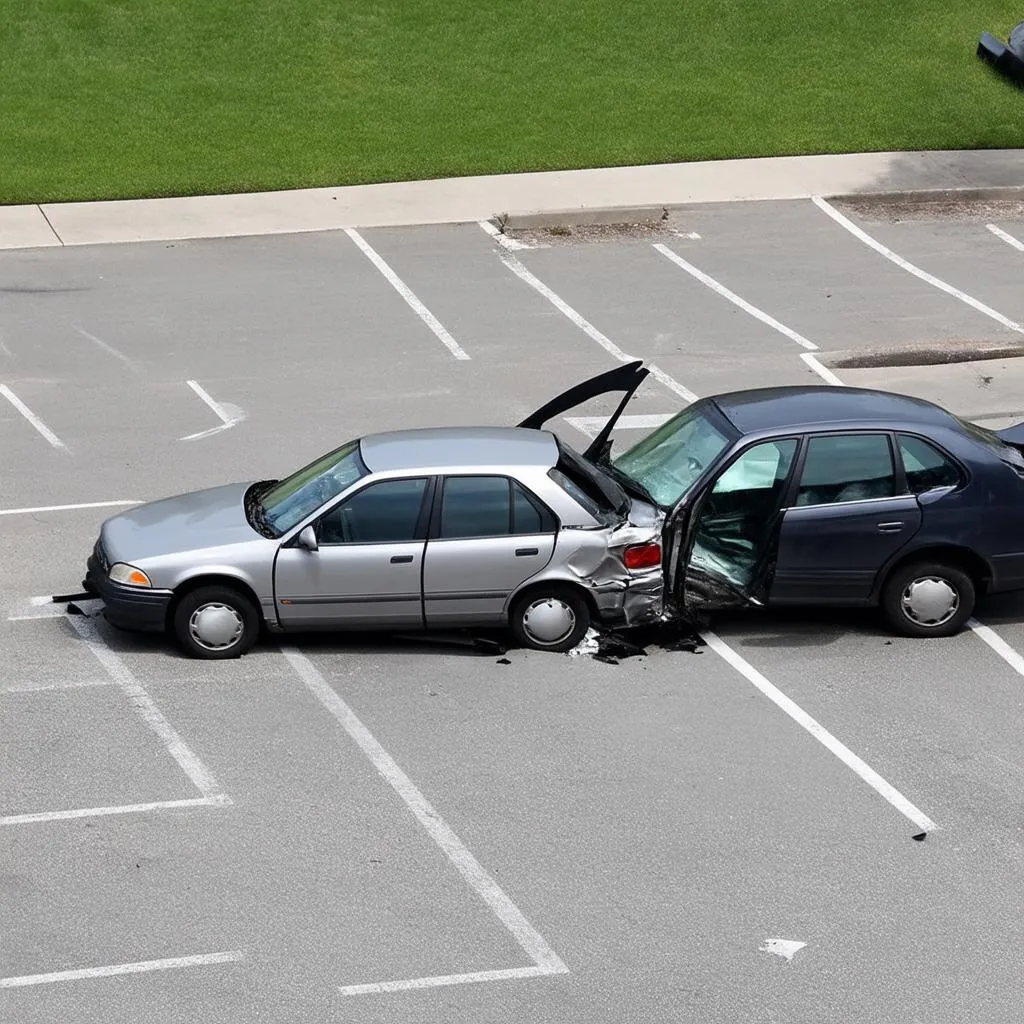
923, 354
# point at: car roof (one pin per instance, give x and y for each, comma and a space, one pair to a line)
458, 448
793, 408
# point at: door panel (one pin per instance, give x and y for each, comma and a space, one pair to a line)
469, 580
832, 553
345, 585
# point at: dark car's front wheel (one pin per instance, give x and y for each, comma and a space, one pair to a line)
554, 618
928, 599
216, 622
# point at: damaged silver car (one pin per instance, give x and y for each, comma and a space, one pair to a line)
412, 530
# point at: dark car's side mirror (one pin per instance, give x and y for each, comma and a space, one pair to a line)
307, 539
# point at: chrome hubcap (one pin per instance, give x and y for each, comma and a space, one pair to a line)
215, 626
930, 601
548, 621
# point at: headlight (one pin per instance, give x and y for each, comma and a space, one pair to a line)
128, 575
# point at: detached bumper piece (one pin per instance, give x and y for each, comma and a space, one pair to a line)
1007, 58
130, 608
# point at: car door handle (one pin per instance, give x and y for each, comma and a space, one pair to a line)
522, 552
400, 559
893, 527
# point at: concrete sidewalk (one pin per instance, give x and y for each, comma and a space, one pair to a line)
458, 200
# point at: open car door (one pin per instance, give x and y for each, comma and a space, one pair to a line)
625, 378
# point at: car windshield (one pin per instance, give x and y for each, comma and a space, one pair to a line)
668, 462
291, 500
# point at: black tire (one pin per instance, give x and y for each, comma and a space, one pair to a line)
932, 618
224, 602
549, 602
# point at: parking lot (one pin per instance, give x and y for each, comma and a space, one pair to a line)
808, 820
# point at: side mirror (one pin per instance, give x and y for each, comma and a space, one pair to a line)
307, 539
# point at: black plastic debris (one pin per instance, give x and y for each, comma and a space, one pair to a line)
617, 645
503, 661
68, 598
920, 837
1007, 58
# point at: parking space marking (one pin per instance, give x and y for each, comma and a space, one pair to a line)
443, 979
512, 244
140, 967
229, 415
591, 425
736, 300
66, 508
546, 961
906, 265
190, 764
519, 269
1006, 237
821, 734
218, 800
822, 371
109, 349
32, 417
998, 644
408, 294
69, 684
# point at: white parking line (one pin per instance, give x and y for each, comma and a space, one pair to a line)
219, 800
822, 371
109, 349
726, 293
147, 710
141, 966
821, 734
512, 244
1006, 237
438, 980
518, 268
408, 294
229, 415
545, 959
31, 417
65, 508
69, 684
591, 425
906, 265
998, 644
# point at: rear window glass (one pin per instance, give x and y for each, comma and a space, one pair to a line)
925, 466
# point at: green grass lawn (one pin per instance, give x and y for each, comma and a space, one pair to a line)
126, 98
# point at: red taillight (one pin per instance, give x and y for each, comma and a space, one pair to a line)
642, 556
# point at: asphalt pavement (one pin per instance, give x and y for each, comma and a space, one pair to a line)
388, 829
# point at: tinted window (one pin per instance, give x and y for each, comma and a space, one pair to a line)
528, 515
926, 466
851, 467
476, 506
382, 513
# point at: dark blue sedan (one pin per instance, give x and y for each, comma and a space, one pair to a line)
825, 496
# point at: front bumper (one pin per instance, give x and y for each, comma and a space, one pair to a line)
133, 608
630, 602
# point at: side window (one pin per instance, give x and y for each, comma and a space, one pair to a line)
926, 467
763, 467
381, 513
528, 515
476, 506
847, 467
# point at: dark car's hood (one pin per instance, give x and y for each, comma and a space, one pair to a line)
202, 519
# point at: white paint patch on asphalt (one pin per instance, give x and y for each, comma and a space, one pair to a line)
519, 269
687, 234
438, 980
822, 371
408, 294
109, 349
67, 684
1006, 237
821, 734
46, 608
220, 800
140, 967
140, 700
906, 265
545, 960
66, 508
998, 644
512, 244
786, 948
229, 415
736, 300
591, 425
31, 417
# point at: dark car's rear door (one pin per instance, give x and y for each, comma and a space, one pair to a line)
848, 516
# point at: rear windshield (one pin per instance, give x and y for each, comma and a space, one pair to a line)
595, 491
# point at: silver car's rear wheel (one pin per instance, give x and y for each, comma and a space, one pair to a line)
216, 622
550, 619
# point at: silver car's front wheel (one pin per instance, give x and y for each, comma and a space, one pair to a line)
554, 619
216, 622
